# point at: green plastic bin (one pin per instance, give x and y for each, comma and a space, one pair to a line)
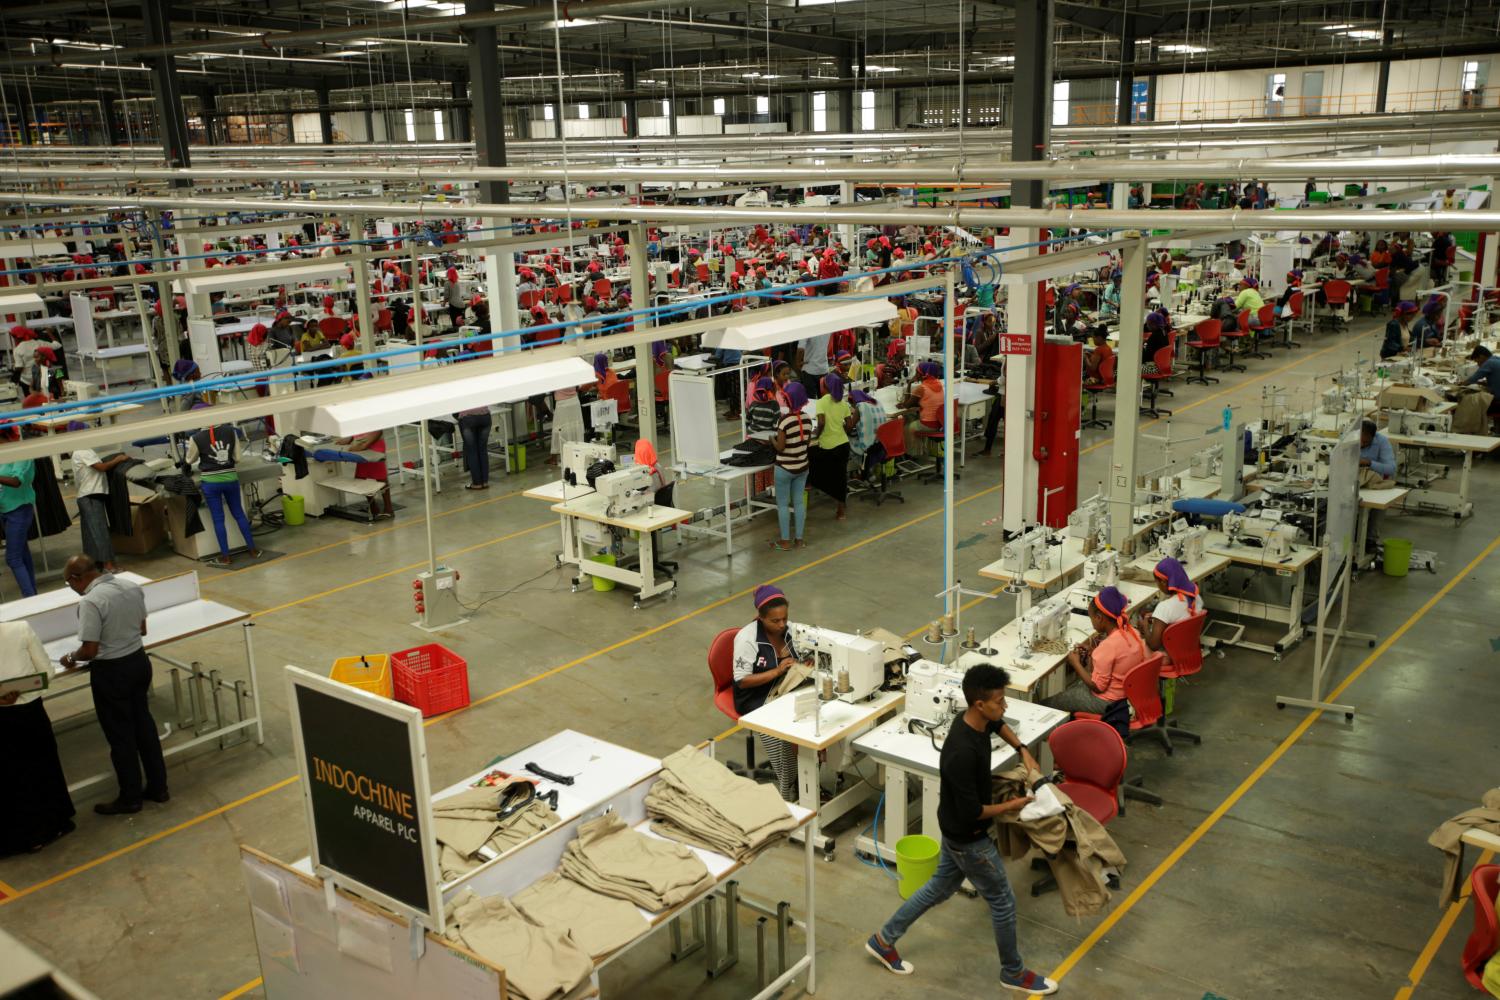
517, 457
600, 583
293, 509
1397, 558
916, 860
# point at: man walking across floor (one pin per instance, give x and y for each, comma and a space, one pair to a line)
965, 814
111, 622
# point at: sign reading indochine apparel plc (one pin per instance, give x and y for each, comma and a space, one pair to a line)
364, 781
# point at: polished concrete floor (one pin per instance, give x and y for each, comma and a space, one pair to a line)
1289, 858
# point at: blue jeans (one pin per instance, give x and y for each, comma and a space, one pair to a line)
791, 501
475, 431
217, 495
980, 862
17, 553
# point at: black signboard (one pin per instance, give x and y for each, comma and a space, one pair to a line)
365, 785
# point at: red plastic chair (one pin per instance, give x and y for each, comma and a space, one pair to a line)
564, 294
1094, 390
530, 298
663, 382
1209, 339
1182, 642
1264, 325
332, 327
620, 393
721, 666
1292, 317
603, 290
1337, 294
702, 274
892, 438
383, 322
1092, 758
1484, 939
1164, 371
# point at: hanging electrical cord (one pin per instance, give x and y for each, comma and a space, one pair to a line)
562, 131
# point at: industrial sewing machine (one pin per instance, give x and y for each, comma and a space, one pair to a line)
1102, 569
1026, 551
1184, 543
1274, 537
1205, 462
1047, 621
1089, 519
626, 490
855, 663
579, 455
1414, 422
934, 694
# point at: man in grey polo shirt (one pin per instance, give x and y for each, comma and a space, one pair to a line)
111, 621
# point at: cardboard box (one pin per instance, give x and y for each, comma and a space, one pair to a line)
1407, 397
148, 527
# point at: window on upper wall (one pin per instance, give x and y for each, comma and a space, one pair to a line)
1470, 78
762, 105
547, 112
411, 126
1060, 114
583, 111
820, 111
437, 126
718, 105
867, 110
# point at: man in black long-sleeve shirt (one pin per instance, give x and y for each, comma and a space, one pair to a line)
964, 815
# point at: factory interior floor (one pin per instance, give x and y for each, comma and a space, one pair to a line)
1289, 858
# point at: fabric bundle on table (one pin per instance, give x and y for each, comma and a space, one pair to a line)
699, 801
1448, 838
539, 963
1074, 843
468, 823
611, 858
597, 923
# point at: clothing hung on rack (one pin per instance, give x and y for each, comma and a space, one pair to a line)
52, 517
292, 449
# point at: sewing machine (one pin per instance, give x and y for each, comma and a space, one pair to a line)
1026, 551
1102, 569
1205, 462
934, 694
1414, 422
1274, 537
856, 663
1089, 520
1048, 620
579, 455
626, 490
1184, 543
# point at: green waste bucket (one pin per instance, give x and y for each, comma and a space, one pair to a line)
600, 583
1397, 558
916, 860
293, 509
518, 458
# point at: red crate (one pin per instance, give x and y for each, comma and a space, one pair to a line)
432, 678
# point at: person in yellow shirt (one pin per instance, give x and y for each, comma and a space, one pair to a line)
1249, 297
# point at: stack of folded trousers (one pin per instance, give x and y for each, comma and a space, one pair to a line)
699, 801
597, 923
467, 823
539, 963
611, 858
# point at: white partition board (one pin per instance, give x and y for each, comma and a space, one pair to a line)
695, 428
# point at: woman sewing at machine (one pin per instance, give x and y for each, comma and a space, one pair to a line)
1100, 662
1179, 601
1398, 334
764, 652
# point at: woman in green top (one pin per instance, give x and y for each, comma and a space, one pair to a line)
836, 418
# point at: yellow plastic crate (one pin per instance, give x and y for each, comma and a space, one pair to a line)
371, 673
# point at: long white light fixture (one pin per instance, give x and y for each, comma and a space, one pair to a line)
223, 279
784, 324
380, 410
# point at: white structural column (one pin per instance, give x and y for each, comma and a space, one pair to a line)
1121, 488
1489, 254
1022, 475
645, 364
362, 278
950, 445
1121, 197
847, 230
500, 290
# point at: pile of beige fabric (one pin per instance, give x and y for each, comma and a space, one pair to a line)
597, 923
539, 962
469, 830
615, 860
1448, 838
699, 801
1075, 844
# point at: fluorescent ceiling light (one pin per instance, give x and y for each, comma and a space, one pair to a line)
1365, 34
784, 324
1336, 27
1191, 50
577, 22
380, 410
882, 69
815, 3
760, 76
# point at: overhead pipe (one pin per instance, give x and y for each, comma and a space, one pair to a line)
1179, 220
1438, 166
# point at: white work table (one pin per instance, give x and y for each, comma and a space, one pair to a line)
651, 518
903, 754
1293, 565
835, 721
1458, 505
1060, 563
727, 477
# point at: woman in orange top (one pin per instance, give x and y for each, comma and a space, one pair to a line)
607, 377
1101, 662
928, 394
1381, 255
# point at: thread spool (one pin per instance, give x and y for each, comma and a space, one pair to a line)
825, 687
843, 686
934, 633
970, 642
950, 626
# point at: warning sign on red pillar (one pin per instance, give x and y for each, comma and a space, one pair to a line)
1015, 343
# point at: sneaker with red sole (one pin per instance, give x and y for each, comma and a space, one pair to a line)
1031, 983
